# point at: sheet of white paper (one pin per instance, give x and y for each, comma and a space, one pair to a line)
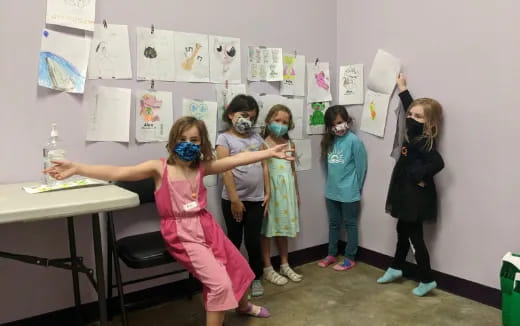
265, 103
205, 111
264, 64
109, 118
303, 154
225, 59
63, 61
191, 57
351, 84
155, 54
375, 109
316, 117
224, 96
296, 107
72, 13
153, 115
318, 82
383, 73
110, 53
293, 82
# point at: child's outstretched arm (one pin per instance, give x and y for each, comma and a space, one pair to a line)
64, 169
404, 94
227, 163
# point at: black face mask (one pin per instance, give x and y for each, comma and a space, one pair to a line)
413, 128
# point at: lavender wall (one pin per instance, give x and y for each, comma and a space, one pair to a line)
465, 54
306, 26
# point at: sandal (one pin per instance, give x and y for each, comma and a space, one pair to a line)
327, 261
346, 265
275, 278
291, 274
255, 311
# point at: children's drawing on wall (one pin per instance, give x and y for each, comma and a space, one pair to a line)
351, 84
110, 53
296, 107
303, 154
72, 13
225, 59
191, 57
293, 82
380, 86
155, 54
373, 119
265, 103
205, 111
318, 82
224, 96
265, 64
316, 117
63, 61
109, 115
154, 115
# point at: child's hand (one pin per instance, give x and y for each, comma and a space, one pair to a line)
61, 169
401, 83
281, 151
237, 209
265, 204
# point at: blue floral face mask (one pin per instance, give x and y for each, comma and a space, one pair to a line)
278, 129
187, 151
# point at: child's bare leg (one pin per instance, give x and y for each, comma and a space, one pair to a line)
215, 318
283, 248
266, 251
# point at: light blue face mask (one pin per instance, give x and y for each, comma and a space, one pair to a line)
278, 129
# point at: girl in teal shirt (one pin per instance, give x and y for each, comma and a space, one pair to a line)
346, 170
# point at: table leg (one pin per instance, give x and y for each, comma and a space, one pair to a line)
98, 253
78, 320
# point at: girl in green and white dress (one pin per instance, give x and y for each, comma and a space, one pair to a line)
281, 188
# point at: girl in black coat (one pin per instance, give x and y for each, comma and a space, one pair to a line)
412, 197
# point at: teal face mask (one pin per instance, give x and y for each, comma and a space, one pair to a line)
278, 129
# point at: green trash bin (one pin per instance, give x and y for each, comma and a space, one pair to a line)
515, 304
510, 299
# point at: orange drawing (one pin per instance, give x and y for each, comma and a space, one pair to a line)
188, 63
372, 110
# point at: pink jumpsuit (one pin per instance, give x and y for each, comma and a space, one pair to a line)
195, 240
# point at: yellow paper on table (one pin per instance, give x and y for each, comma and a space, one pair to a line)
67, 184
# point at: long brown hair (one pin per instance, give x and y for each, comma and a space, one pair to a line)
432, 120
272, 113
331, 115
180, 126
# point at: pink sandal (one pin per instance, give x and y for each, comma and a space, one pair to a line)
327, 261
346, 265
262, 312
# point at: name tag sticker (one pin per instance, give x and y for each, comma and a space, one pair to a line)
191, 205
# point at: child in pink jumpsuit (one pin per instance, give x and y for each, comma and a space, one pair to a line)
192, 235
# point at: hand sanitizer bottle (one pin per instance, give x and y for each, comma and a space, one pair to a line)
52, 151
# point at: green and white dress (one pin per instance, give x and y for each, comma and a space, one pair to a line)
283, 218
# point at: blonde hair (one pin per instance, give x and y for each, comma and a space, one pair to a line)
180, 126
432, 120
272, 113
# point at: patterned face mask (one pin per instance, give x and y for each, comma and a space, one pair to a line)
187, 151
340, 129
243, 125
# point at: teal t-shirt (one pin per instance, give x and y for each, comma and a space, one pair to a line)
346, 168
